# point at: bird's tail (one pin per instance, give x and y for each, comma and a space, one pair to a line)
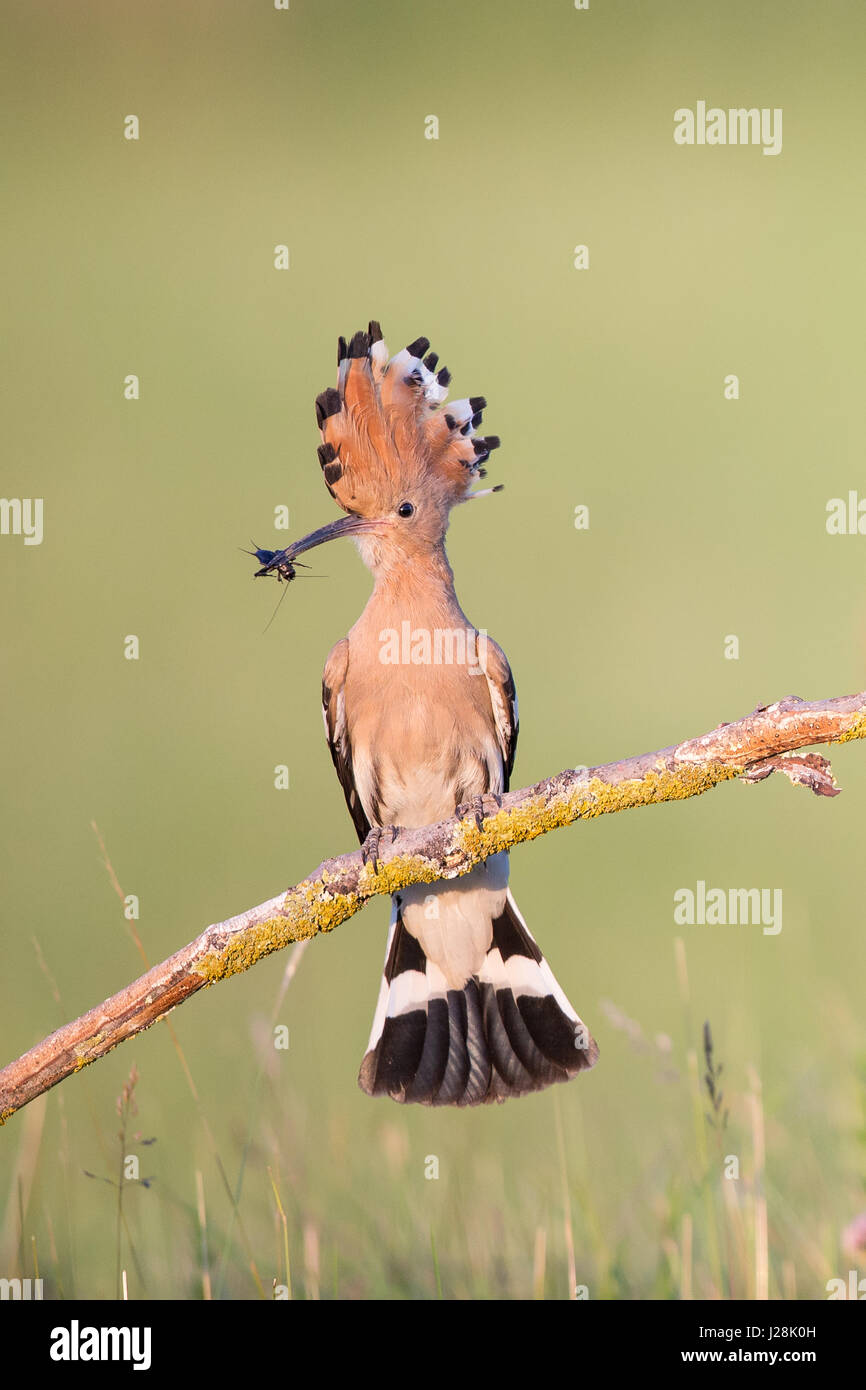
509, 1030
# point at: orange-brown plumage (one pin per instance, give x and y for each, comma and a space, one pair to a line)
388, 436
469, 1011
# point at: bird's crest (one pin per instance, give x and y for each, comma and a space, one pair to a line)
385, 429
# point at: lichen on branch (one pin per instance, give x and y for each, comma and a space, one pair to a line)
751, 749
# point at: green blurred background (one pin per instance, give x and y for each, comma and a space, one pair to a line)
707, 518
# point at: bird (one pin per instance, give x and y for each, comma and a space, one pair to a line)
421, 719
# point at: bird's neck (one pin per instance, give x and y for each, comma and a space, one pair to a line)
420, 588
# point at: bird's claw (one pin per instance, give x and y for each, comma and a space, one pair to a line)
476, 807
370, 847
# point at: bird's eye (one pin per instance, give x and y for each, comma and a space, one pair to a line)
405, 509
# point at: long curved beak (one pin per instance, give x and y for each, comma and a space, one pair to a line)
345, 526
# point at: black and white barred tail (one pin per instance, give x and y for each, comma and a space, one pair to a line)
509, 1030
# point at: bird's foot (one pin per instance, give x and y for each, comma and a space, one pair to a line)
479, 807
370, 847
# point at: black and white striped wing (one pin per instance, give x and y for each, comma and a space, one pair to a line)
337, 733
503, 698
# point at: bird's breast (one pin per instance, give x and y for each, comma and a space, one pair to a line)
423, 738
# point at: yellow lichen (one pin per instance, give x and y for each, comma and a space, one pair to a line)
315, 907
87, 1052
396, 874
857, 730
687, 780
309, 909
592, 798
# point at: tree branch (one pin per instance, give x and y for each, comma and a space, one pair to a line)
752, 748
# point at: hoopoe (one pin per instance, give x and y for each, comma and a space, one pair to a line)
468, 1009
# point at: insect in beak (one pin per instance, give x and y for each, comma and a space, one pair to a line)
284, 562
284, 568
277, 562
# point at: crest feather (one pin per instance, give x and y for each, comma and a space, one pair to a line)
385, 427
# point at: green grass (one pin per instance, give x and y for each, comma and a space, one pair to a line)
302, 1204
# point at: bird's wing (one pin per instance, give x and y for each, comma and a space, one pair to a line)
503, 698
337, 732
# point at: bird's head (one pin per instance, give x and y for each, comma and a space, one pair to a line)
393, 456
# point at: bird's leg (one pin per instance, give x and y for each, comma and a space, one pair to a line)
370, 847
479, 807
